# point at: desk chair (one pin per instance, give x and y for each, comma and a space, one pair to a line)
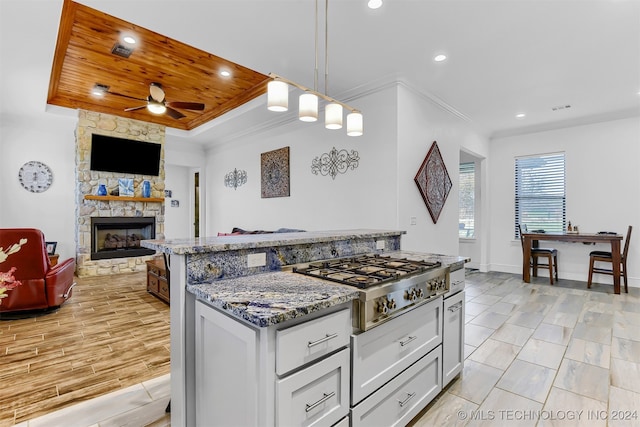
550, 254
602, 256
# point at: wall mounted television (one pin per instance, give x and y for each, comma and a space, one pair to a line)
127, 156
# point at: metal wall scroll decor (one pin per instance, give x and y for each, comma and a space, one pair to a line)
275, 173
335, 162
235, 178
433, 182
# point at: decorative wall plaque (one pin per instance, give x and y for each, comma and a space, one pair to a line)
274, 173
335, 162
433, 182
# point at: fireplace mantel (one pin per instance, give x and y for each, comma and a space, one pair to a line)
124, 198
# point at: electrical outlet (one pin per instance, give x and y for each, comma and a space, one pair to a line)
257, 260
413, 220
380, 244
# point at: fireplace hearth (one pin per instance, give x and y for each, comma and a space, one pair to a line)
119, 237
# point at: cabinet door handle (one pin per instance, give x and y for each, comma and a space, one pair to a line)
404, 402
323, 399
321, 340
455, 307
408, 340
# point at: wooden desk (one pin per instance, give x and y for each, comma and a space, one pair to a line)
529, 240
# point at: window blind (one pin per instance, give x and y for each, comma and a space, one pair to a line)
467, 200
540, 199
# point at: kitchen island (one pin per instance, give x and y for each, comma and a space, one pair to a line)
231, 297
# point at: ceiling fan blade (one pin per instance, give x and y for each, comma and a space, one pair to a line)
186, 105
155, 89
174, 113
126, 96
135, 108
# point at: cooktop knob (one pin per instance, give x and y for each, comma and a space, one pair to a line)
391, 304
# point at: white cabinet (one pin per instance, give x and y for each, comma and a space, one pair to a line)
398, 401
316, 395
386, 350
235, 369
453, 337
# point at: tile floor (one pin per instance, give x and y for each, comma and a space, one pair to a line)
536, 355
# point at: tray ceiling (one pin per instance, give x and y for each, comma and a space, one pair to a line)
83, 58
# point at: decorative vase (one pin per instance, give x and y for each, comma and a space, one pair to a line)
146, 189
102, 190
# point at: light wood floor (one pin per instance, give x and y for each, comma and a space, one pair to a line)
109, 336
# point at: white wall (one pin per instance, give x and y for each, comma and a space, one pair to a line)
360, 198
602, 191
177, 219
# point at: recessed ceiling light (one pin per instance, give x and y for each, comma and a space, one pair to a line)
374, 4
440, 57
520, 115
225, 73
129, 39
99, 89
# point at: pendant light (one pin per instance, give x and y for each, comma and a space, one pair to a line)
277, 93
277, 96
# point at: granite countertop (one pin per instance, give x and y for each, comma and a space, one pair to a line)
270, 298
252, 241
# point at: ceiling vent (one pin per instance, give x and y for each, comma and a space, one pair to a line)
561, 107
121, 50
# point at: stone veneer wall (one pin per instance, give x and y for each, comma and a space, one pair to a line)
87, 182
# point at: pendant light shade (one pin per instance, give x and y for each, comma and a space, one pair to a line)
308, 107
333, 116
277, 96
354, 124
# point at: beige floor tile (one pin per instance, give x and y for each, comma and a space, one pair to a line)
450, 410
624, 408
587, 332
583, 379
542, 353
502, 307
593, 318
526, 319
475, 335
625, 349
561, 318
502, 408
589, 352
495, 353
528, 380
486, 299
476, 381
625, 375
490, 319
556, 334
512, 334
468, 349
564, 409
474, 308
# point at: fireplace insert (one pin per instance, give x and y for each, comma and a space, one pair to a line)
119, 237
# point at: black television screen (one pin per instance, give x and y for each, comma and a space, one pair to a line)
111, 154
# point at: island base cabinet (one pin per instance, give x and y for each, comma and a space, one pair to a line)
315, 396
453, 337
226, 373
402, 398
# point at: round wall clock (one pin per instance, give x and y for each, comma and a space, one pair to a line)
35, 176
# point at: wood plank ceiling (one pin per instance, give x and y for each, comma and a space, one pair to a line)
84, 58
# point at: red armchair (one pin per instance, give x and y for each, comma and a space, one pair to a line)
43, 286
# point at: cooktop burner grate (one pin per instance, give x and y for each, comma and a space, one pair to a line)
366, 270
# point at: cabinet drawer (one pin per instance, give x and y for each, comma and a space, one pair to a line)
152, 283
402, 398
381, 353
315, 396
163, 288
311, 340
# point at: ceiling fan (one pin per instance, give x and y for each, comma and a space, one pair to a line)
157, 104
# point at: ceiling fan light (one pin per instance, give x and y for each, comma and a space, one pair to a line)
277, 96
308, 109
354, 124
156, 107
333, 116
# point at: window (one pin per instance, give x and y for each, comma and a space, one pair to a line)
540, 193
467, 200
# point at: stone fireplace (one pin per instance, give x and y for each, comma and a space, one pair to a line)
145, 216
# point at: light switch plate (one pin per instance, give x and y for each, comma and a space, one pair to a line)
380, 244
257, 260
